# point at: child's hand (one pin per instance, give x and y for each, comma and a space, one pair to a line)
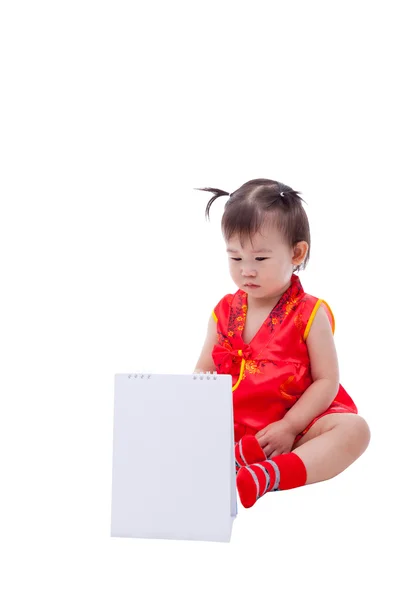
276, 438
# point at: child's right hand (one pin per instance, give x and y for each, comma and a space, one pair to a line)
276, 438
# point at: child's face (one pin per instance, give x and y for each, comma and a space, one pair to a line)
271, 271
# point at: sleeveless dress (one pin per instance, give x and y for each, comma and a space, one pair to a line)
271, 372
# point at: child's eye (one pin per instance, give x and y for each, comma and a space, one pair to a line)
258, 258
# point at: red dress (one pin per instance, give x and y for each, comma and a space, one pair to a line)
271, 373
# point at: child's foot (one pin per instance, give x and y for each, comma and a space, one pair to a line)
283, 472
248, 451
254, 481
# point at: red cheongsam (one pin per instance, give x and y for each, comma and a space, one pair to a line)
271, 373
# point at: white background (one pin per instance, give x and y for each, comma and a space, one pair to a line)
111, 113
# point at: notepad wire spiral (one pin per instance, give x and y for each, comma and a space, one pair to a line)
207, 373
201, 375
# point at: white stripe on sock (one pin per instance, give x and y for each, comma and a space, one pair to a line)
254, 476
277, 474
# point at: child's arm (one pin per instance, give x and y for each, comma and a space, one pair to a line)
205, 362
324, 371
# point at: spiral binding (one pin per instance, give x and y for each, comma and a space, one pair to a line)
195, 375
206, 373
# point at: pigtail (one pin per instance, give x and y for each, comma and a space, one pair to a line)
217, 194
287, 194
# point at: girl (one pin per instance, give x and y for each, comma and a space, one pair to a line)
294, 422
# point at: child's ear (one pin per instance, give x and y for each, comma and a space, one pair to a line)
300, 252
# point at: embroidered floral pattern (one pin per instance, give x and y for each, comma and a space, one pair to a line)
299, 319
252, 367
284, 389
230, 351
287, 303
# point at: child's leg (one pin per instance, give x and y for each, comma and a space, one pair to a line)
330, 445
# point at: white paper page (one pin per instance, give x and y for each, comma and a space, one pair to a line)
173, 465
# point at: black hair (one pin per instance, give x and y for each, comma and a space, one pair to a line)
261, 200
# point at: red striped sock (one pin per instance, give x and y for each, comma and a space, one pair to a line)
248, 451
282, 472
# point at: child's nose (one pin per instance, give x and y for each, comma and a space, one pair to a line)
247, 271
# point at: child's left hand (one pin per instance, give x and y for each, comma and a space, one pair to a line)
276, 438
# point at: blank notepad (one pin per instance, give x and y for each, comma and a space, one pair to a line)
174, 471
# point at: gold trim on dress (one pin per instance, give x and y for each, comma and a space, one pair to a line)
241, 372
312, 316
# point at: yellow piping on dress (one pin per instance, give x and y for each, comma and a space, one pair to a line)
312, 316
215, 317
241, 371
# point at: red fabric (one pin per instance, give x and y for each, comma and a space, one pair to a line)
248, 451
292, 471
252, 482
248, 489
276, 362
